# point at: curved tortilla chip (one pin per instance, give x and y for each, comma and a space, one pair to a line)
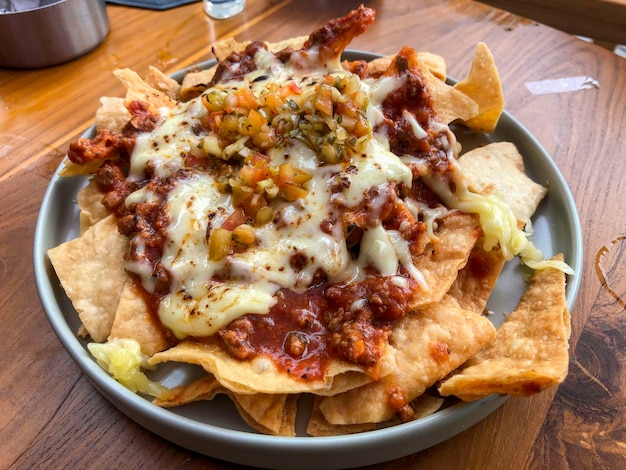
319, 426
449, 103
475, 282
429, 342
440, 263
91, 271
92, 211
112, 114
138, 90
260, 375
499, 168
267, 413
134, 321
158, 80
484, 87
434, 62
530, 350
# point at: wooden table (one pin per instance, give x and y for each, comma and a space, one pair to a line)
602, 20
52, 417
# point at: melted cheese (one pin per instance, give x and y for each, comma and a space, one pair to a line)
197, 304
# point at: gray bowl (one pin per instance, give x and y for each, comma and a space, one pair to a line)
41, 33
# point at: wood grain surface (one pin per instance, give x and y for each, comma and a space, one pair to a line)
50, 414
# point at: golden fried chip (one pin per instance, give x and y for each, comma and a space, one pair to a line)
430, 343
423, 406
449, 103
138, 90
319, 426
379, 66
530, 350
293, 43
261, 375
475, 282
267, 413
499, 168
204, 388
434, 62
426, 405
91, 270
134, 321
92, 210
159, 81
112, 114
195, 83
440, 263
483, 86
223, 49
69, 168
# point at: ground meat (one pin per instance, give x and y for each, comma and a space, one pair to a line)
412, 96
357, 341
237, 64
332, 38
235, 339
108, 145
357, 67
142, 120
296, 343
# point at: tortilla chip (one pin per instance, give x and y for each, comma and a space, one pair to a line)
319, 426
530, 350
223, 49
92, 210
268, 413
377, 67
91, 271
134, 321
448, 103
430, 343
425, 405
159, 81
112, 114
499, 168
260, 375
138, 90
69, 168
295, 43
434, 62
195, 83
204, 388
483, 86
442, 259
476, 280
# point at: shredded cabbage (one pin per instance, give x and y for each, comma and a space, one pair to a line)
122, 358
498, 222
499, 226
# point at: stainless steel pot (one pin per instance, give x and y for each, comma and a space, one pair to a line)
51, 32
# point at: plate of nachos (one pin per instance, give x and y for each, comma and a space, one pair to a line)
306, 251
